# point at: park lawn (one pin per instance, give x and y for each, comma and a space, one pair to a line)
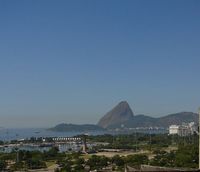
86, 156
50, 163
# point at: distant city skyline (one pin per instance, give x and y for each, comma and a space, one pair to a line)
72, 61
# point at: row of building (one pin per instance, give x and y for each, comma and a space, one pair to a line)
184, 129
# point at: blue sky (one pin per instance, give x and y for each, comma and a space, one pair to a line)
72, 61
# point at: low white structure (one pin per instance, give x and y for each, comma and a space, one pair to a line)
182, 130
66, 139
174, 129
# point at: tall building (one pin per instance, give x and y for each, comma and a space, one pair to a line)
84, 144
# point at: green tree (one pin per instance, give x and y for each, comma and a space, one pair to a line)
163, 158
119, 161
187, 156
136, 160
97, 162
3, 165
35, 163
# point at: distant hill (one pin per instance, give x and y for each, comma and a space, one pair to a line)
118, 115
122, 115
177, 118
76, 128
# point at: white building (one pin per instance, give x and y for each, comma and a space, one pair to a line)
182, 130
174, 129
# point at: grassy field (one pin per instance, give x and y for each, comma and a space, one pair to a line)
50, 163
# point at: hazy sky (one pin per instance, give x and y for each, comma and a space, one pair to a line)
72, 61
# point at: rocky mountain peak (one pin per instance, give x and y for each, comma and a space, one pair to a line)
118, 115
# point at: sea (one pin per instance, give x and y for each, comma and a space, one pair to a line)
26, 133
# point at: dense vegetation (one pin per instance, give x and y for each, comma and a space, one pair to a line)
28, 160
186, 156
157, 152
142, 141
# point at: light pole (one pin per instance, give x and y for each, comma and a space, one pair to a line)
199, 137
150, 138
